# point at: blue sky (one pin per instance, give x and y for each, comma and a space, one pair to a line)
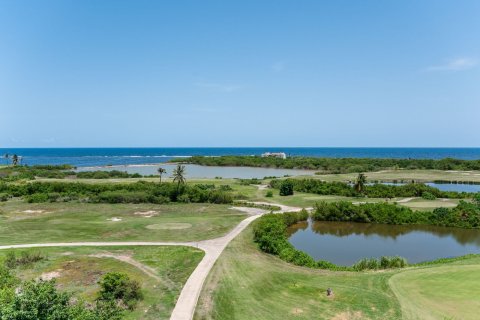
239, 73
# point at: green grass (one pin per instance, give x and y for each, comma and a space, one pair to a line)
66, 222
247, 284
443, 292
78, 271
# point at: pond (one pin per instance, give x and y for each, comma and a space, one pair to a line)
344, 243
457, 187
196, 171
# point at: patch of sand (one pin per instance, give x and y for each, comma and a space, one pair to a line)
33, 211
115, 219
146, 214
47, 276
169, 226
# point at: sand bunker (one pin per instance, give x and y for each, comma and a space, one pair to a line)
33, 211
114, 219
146, 214
169, 226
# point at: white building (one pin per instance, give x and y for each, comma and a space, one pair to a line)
281, 155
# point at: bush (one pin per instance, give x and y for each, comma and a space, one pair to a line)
428, 196
269, 194
40, 300
286, 188
26, 258
116, 286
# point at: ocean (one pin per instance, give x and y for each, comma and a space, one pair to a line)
92, 157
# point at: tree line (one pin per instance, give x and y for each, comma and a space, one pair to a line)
138, 192
361, 189
464, 215
334, 165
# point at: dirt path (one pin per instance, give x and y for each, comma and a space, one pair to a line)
128, 259
187, 301
404, 200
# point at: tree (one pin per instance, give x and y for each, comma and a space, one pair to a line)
160, 172
179, 175
6, 156
118, 286
15, 159
360, 183
286, 188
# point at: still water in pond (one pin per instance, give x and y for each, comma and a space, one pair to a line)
344, 243
457, 187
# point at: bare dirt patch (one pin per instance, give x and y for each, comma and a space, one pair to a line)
169, 226
296, 311
47, 276
128, 259
146, 214
33, 211
357, 315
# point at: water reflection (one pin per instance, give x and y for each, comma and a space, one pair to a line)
347, 242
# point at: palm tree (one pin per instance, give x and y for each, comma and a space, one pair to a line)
360, 183
179, 175
160, 172
14, 159
6, 156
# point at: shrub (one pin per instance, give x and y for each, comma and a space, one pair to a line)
269, 194
428, 196
4, 197
118, 286
286, 188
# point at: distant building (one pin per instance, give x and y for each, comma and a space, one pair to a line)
281, 155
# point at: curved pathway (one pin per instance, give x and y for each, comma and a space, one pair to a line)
187, 301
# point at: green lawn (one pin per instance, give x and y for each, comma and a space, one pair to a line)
248, 284
164, 272
22, 222
443, 292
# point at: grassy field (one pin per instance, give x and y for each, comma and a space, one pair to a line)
22, 222
305, 200
161, 271
248, 284
443, 292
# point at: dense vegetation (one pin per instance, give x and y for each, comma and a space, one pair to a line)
41, 300
465, 215
373, 191
15, 173
334, 165
139, 192
270, 233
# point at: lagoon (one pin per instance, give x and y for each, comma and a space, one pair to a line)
196, 171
